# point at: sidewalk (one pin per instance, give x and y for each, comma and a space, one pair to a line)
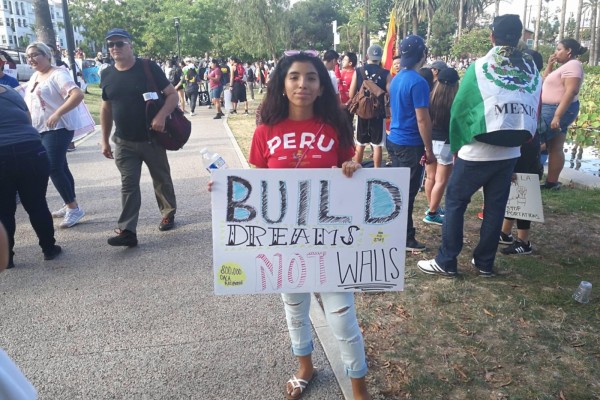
101, 322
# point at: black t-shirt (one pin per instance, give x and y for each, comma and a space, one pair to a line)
124, 90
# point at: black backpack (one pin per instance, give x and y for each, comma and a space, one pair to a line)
250, 75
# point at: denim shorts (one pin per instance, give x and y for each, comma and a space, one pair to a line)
567, 119
216, 92
442, 152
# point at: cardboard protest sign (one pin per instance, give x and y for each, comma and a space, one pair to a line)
290, 230
525, 199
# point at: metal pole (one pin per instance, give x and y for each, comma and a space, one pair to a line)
70, 39
177, 31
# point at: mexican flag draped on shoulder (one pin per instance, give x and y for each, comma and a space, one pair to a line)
498, 99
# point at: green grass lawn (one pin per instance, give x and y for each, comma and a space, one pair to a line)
93, 99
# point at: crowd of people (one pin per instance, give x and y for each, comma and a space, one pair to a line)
436, 124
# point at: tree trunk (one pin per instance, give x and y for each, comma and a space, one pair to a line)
578, 19
404, 26
524, 19
537, 25
429, 18
460, 17
43, 22
415, 21
594, 60
366, 41
497, 8
593, 40
563, 20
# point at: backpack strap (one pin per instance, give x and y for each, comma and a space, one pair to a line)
149, 78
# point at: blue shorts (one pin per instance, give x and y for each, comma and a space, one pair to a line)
216, 92
567, 119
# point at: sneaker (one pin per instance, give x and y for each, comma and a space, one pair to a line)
60, 213
435, 219
413, 245
218, 116
480, 215
506, 239
167, 223
233, 112
52, 253
483, 273
432, 268
246, 112
209, 107
440, 210
72, 217
123, 238
517, 247
71, 147
11, 264
551, 185
192, 114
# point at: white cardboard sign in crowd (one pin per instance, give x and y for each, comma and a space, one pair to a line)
309, 230
525, 199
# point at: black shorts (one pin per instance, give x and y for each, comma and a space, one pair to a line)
239, 92
369, 131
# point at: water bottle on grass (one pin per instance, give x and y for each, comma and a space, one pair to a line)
212, 160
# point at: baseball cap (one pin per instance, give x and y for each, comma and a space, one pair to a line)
439, 65
118, 32
412, 49
507, 27
375, 52
448, 76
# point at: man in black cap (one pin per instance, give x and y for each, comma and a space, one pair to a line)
493, 114
124, 92
409, 140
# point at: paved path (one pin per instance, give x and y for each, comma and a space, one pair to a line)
114, 323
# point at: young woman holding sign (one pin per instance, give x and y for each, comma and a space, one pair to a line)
301, 99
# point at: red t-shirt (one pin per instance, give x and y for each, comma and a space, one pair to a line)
283, 145
344, 84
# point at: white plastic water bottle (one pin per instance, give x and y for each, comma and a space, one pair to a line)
212, 160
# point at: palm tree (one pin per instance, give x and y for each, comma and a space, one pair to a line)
578, 19
537, 25
563, 21
593, 6
418, 10
468, 11
43, 22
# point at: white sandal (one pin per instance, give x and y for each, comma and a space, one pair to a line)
300, 384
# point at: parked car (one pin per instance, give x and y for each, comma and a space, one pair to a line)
24, 70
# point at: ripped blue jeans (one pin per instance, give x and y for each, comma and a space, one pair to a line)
341, 317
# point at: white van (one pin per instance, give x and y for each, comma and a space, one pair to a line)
24, 70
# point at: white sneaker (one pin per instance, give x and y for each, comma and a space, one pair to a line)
72, 216
192, 114
60, 213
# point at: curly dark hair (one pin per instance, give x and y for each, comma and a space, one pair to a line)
326, 108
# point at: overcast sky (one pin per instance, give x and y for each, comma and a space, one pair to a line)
517, 6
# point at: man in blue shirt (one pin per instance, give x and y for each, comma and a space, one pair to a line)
409, 141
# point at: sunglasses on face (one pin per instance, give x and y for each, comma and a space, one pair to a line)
118, 44
310, 53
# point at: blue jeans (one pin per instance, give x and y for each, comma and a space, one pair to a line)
409, 157
56, 143
467, 177
24, 169
567, 119
341, 317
